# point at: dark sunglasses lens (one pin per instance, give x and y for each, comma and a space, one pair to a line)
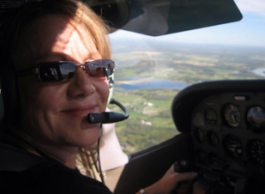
57, 71
100, 68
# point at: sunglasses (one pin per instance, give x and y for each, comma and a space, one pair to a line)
64, 70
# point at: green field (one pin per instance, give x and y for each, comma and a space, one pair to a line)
150, 120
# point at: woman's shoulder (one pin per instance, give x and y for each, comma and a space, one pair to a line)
51, 177
21, 171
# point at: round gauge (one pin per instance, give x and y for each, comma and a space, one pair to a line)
232, 115
232, 146
256, 117
197, 119
212, 138
210, 115
199, 135
256, 151
201, 156
213, 158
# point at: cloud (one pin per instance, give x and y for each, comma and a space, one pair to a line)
251, 6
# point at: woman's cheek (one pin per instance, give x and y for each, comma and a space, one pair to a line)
50, 99
106, 92
103, 90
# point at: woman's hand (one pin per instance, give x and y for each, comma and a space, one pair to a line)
169, 182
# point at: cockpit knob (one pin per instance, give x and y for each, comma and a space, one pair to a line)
183, 166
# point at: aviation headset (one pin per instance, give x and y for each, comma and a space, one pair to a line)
9, 96
9, 93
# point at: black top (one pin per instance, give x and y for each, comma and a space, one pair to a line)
23, 172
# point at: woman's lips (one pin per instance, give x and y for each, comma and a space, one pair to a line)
82, 110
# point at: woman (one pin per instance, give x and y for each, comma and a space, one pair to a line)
56, 59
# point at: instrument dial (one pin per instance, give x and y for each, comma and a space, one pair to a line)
256, 150
232, 115
201, 156
256, 117
199, 135
213, 138
210, 115
233, 146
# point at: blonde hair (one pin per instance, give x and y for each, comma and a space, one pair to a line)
87, 162
96, 27
16, 20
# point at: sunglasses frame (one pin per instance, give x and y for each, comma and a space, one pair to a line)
109, 70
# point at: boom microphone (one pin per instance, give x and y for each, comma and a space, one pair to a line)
109, 117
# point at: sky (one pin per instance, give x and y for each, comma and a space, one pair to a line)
250, 31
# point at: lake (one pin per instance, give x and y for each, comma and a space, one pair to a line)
153, 85
260, 71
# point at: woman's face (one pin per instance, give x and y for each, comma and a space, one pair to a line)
55, 113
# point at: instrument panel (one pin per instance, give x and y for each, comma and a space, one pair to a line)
231, 125
226, 123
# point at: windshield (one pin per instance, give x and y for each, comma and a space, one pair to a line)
150, 71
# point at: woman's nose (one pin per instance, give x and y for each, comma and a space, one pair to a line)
81, 85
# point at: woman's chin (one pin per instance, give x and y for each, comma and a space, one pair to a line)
90, 135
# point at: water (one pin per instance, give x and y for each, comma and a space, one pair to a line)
153, 85
260, 71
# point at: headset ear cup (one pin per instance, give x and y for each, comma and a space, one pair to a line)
9, 97
9, 93
2, 108
111, 85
